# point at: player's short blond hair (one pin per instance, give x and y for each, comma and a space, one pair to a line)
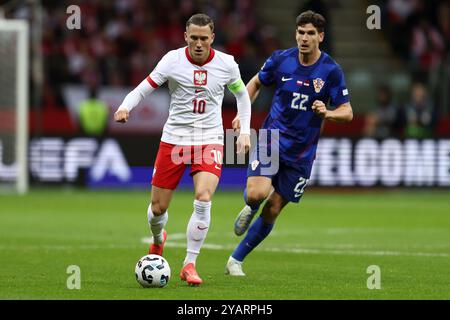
200, 19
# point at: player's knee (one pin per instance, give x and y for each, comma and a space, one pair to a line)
204, 195
255, 195
158, 207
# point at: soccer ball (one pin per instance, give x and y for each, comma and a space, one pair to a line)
152, 270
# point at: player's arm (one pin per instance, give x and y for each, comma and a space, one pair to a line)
253, 87
265, 77
156, 78
244, 113
338, 97
132, 100
343, 113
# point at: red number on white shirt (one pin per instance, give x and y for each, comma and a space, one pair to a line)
199, 106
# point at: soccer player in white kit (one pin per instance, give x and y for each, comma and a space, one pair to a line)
193, 134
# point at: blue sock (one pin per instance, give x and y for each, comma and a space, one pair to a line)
253, 207
258, 231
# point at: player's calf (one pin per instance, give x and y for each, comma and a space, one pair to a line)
272, 208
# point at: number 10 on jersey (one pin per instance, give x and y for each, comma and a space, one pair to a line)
199, 106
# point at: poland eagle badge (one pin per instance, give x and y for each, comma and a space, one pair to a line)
200, 77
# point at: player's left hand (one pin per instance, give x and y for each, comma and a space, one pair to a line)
243, 143
319, 108
236, 123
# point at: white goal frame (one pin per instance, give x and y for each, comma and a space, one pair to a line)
22, 76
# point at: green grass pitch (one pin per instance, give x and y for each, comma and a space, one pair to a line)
319, 249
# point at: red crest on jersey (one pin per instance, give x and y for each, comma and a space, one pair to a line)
200, 77
318, 84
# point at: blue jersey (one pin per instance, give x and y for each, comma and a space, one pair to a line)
297, 87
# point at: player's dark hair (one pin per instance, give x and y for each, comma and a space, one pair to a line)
316, 19
200, 19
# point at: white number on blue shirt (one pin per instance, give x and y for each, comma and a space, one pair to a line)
299, 106
300, 187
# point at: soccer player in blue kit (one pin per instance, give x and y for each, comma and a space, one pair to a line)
306, 79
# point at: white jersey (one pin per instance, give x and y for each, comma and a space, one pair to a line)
195, 112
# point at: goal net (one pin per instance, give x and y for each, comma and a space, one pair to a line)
13, 105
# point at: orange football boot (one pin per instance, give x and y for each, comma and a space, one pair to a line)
158, 248
190, 275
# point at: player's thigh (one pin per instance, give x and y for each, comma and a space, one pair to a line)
169, 166
205, 184
160, 199
259, 178
207, 158
291, 182
258, 187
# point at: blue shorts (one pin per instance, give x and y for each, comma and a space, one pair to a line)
288, 181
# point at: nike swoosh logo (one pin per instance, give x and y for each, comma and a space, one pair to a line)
200, 228
285, 79
199, 90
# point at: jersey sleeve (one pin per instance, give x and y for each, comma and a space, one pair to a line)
235, 83
237, 87
235, 74
267, 73
160, 74
338, 89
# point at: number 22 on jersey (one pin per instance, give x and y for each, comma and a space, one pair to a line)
299, 105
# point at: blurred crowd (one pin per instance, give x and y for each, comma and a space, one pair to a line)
416, 118
120, 42
419, 33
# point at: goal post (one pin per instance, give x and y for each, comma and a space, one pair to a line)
14, 77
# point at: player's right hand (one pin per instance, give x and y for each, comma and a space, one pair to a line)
243, 143
121, 115
236, 123
319, 108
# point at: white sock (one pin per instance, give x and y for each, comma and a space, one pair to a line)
197, 229
157, 224
231, 259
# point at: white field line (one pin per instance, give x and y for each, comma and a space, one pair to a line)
57, 247
229, 247
330, 249
325, 249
